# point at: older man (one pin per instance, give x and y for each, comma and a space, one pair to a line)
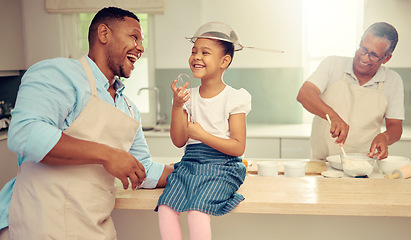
358, 94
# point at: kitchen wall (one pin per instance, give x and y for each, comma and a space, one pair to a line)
396, 12
272, 79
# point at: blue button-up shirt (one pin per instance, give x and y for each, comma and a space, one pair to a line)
51, 96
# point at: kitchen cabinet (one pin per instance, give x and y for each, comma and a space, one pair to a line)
160, 145
8, 163
11, 40
270, 141
295, 148
262, 148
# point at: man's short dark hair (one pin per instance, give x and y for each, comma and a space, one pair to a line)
105, 16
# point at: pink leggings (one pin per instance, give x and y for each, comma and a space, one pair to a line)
169, 221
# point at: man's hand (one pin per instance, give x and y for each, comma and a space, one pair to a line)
119, 163
379, 147
339, 129
125, 166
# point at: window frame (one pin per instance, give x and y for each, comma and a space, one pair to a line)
72, 37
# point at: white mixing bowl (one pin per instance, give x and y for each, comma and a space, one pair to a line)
392, 163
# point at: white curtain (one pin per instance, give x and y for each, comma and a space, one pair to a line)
84, 6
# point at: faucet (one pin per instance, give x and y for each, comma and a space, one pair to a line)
159, 119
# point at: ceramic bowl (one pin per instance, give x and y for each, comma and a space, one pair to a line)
392, 163
267, 168
294, 169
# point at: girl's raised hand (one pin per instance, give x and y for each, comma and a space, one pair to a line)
180, 94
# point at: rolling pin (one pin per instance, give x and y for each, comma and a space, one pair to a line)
404, 172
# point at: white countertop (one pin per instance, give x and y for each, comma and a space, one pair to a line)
262, 131
275, 131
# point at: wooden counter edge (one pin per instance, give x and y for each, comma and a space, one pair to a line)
143, 199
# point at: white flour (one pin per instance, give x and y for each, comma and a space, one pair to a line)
357, 168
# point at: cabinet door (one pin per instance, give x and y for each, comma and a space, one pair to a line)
8, 164
163, 147
295, 148
11, 40
262, 148
400, 148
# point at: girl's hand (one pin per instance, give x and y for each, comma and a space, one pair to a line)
195, 131
180, 94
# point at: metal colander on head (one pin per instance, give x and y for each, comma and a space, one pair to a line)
218, 31
221, 31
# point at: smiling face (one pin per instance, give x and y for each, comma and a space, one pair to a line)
125, 46
207, 59
364, 67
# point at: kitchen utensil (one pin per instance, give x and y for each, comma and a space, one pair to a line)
4, 123
335, 162
404, 172
267, 168
182, 78
342, 148
332, 174
357, 164
311, 168
294, 169
2, 111
391, 163
223, 32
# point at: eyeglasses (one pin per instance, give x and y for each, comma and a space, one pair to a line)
372, 56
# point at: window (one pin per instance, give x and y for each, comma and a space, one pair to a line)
329, 28
143, 72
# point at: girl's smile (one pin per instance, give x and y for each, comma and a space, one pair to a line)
206, 59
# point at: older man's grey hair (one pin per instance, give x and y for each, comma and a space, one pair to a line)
386, 31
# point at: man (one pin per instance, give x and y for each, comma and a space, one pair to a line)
358, 94
74, 132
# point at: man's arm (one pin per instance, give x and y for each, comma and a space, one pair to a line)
383, 140
309, 97
162, 182
119, 163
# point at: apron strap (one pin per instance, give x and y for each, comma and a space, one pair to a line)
129, 106
380, 86
89, 75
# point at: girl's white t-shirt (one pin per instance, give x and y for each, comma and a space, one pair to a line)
213, 113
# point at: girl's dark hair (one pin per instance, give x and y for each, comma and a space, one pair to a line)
106, 16
228, 49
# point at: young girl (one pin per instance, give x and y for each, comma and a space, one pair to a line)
206, 179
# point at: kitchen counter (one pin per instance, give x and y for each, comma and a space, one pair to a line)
303, 196
261, 131
274, 131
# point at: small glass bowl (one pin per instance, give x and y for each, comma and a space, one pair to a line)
357, 164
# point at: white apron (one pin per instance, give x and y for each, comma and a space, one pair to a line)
363, 109
72, 202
